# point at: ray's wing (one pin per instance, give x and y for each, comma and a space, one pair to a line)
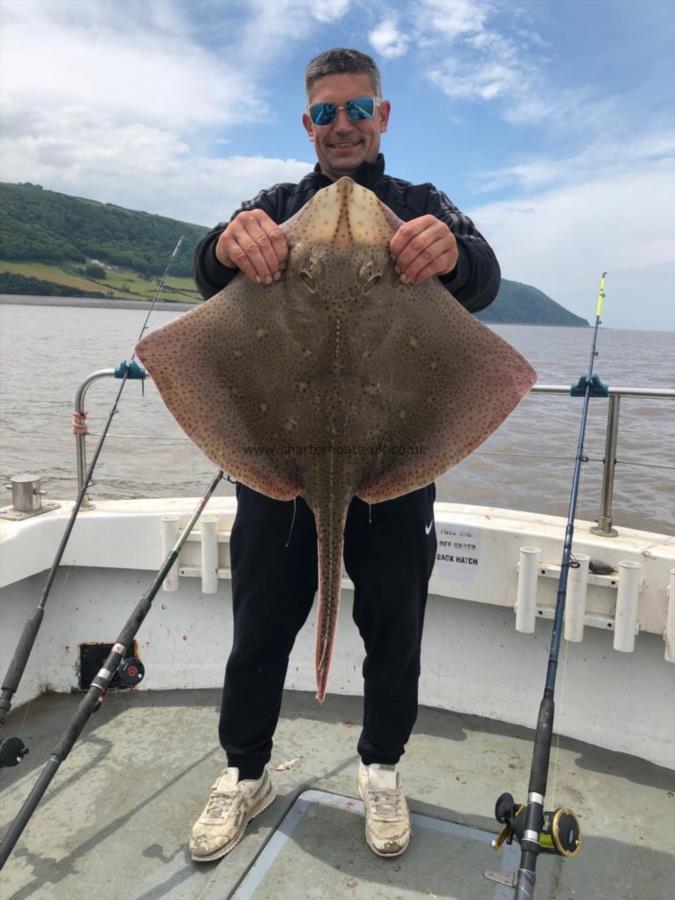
218, 370
451, 382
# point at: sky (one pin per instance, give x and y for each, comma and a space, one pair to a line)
551, 123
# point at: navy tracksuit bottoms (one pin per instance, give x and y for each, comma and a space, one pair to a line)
389, 553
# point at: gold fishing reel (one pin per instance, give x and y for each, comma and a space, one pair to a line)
559, 832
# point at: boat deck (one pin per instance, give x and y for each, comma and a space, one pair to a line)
115, 820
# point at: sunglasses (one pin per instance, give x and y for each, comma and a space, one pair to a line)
357, 110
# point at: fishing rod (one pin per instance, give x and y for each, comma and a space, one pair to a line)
536, 830
12, 750
131, 672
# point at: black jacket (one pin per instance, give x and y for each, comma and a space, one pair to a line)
474, 281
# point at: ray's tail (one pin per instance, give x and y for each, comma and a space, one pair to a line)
330, 526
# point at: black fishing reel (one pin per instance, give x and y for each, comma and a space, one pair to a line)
12, 751
559, 830
131, 671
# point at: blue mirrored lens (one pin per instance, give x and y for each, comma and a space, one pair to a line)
360, 108
323, 113
357, 109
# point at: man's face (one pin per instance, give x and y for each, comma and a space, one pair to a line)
342, 146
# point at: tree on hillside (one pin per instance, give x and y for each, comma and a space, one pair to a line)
94, 270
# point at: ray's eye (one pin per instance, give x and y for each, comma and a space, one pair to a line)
370, 284
310, 269
369, 276
309, 281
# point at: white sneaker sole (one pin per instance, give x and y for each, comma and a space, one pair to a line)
266, 801
388, 855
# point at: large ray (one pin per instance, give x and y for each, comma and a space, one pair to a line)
337, 381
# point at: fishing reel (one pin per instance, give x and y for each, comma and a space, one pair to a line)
12, 751
131, 671
559, 831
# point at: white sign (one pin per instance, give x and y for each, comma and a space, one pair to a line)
458, 552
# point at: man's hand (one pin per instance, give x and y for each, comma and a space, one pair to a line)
255, 244
423, 247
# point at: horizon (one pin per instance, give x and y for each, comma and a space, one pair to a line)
549, 123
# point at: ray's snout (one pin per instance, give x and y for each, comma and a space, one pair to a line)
346, 214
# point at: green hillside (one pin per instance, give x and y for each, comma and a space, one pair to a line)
36, 224
55, 244
49, 240
518, 303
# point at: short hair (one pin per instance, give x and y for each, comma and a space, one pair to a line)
342, 61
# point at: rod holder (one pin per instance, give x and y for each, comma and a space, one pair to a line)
575, 603
625, 620
209, 555
669, 633
169, 533
526, 601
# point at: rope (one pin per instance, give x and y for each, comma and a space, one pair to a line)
79, 422
146, 437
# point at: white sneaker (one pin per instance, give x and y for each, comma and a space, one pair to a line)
231, 806
387, 816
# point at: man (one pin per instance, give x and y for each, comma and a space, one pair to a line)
389, 550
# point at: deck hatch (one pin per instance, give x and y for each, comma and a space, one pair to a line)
92, 657
317, 844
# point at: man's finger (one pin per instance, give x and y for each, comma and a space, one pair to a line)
435, 258
407, 232
261, 252
420, 244
442, 264
241, 260
256, 245
277, 239
254, 258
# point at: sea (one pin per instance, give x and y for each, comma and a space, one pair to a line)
47, 351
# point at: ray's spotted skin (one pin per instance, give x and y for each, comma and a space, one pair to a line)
336, 381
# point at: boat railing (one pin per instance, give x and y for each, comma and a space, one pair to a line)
613, 395
603, 524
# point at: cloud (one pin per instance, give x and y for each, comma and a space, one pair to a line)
119, 102
481, 52
561, 238
120, 69
600, 155
603, 202
452, 19
483, 64
272, 26
387, 40
488, 82
140, 166
328, 10
135, 101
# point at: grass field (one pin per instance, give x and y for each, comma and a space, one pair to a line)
123, 283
